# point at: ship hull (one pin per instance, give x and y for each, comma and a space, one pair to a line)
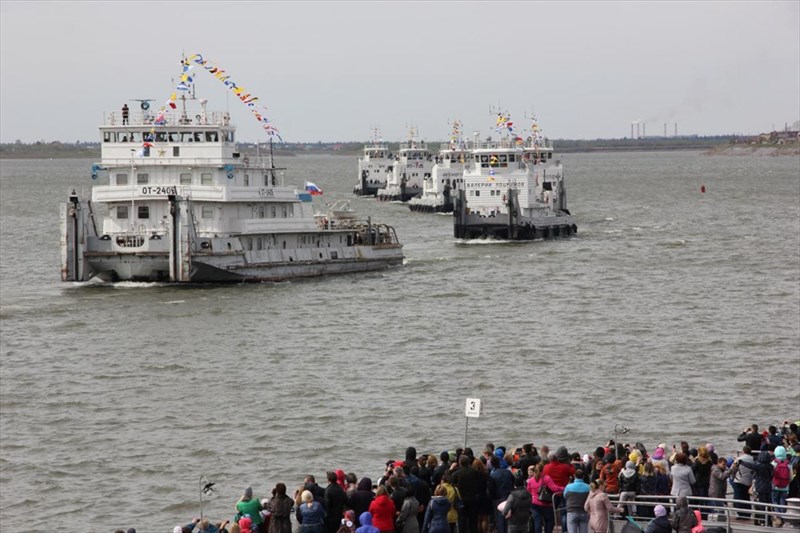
224, 268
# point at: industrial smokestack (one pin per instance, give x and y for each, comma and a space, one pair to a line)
676, 129
644, 130
638, 129
665, 130
632, 130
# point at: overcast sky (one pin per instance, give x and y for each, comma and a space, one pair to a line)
332, 71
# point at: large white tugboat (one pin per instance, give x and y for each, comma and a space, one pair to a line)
179, 203
447, 176
411, 165
513, 190
373, 166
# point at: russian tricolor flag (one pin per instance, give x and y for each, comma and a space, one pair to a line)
313, 189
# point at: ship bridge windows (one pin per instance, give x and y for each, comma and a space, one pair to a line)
173, 136
186, 178
206, 178
142, 179
122, 211
187, 136
122, 179
212, 136
161, 136
143, 212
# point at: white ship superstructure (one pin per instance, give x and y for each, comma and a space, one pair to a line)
373, 166
411, 165
447, 176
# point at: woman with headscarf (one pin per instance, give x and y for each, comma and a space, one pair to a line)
659, 524
684, 519
280, 508
598, 506
250, 507
629, 486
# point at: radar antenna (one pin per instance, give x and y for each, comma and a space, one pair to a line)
144, 103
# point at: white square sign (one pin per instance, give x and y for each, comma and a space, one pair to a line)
473, 407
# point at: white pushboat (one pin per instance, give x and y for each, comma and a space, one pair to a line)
176, 201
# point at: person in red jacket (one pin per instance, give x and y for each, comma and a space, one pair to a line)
560, 470
383, 511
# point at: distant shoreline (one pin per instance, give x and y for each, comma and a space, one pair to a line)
717, 145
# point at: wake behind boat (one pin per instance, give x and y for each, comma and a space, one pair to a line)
513, 189
180, 203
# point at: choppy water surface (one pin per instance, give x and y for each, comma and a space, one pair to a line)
674, 313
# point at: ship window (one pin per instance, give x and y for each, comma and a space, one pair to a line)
477, 193
186, 178
272, 211
207, 211
229, 136
142, 179
205, 178
109, 136
122, 179
161, 137
176, 151
283, 211
261, 211
247, 180
186, 136
249, 243
259, 243
135, 137
122, 211
511, 158
211, 136
198, 136
143, 212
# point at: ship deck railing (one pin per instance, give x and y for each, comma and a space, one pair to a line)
509, 143
256, 162
172, 118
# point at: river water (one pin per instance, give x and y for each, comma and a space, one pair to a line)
674, 313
